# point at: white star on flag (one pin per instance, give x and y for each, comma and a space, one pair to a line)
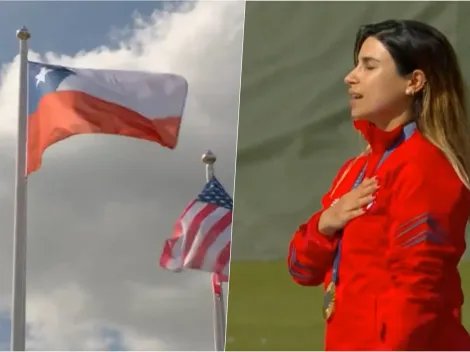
41, 76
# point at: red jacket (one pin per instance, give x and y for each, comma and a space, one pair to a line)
399, 286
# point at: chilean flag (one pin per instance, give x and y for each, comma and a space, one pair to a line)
64, 101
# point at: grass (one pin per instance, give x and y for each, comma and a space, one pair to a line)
267, 311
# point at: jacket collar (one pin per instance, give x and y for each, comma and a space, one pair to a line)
380, 140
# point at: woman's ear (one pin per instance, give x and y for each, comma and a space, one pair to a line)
416, 82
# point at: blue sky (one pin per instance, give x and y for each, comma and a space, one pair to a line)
65, 28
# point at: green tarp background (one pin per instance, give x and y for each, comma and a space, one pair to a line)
294, 127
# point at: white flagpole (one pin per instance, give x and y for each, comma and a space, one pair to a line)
219, 308
18, 314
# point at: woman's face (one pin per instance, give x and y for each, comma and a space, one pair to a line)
377, 92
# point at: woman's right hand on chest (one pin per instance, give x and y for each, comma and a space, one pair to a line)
348, 207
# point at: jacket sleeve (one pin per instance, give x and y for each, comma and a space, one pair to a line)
310, 253
419, 250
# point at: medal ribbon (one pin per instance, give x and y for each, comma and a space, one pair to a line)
406, 134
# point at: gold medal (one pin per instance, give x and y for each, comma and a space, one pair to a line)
329, 299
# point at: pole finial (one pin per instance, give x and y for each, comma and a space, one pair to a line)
23, 33
209, 158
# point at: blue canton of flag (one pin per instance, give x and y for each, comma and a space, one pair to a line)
43, 79
214, 193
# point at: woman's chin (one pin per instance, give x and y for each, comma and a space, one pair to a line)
358, 117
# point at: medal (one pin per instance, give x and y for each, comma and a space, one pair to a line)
329, 301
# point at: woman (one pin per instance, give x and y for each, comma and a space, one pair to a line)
391, 231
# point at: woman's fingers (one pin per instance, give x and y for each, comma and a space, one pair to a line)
364, 201
358, 202
367, 188
355, 213
359, 199
353, 203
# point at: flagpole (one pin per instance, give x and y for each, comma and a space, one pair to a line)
219, 308
18, 314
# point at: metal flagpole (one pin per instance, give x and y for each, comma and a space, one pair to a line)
18, 314
219, 308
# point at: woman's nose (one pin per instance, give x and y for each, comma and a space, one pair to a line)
350, 78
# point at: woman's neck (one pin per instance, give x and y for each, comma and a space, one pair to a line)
394, 122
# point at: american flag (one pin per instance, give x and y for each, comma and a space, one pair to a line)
203, 234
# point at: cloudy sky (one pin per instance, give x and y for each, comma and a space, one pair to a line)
101, 206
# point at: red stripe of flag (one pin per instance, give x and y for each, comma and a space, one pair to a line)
195, 225
210, 238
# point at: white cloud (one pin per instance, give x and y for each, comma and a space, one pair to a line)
101, 206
